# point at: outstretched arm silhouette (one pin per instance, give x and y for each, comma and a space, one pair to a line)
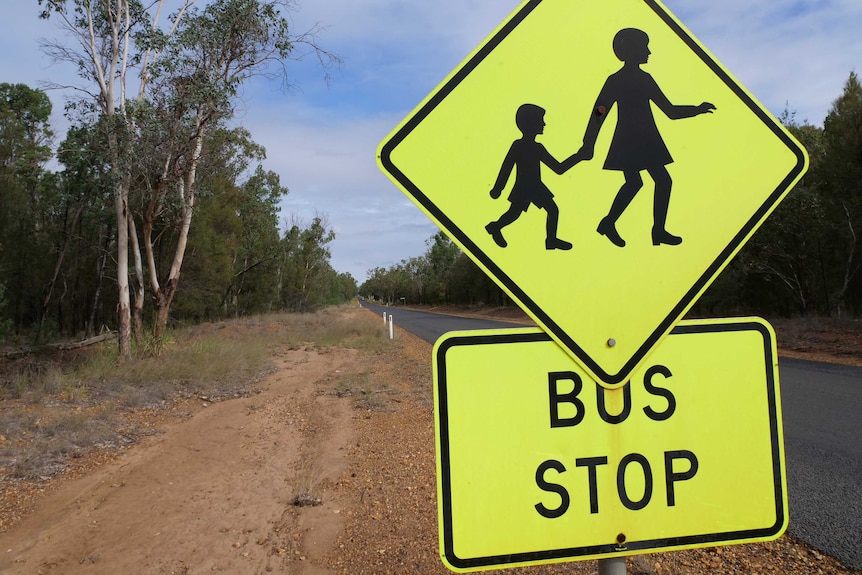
606, 100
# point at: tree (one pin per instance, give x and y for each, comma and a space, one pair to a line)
344, 288
189, 78
442, 253
304, 264
377, 286
213, 242
196, 85
254, 262
233, 249
842, 140
5, 324
780, 270
470, 285
112, 40
25, 138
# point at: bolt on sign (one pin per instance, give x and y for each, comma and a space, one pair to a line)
688, 453
597, 162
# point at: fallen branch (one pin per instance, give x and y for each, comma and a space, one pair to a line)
62, 346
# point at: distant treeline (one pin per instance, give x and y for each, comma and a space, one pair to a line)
804, 260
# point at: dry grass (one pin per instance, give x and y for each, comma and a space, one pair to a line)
37, 445
308, 487
59, 407
369, 393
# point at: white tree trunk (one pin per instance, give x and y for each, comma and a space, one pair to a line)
106, 57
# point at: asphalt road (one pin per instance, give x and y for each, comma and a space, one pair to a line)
822, 411
822, 408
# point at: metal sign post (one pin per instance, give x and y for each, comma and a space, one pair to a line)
612, 566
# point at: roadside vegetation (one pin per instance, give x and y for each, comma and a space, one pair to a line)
153, 179
60, 406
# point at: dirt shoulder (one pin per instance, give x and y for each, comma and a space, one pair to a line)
215, 492
328, 469
394, 527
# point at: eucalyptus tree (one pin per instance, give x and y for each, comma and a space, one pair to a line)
780, 270
304, 264
5, 323
254, 261
195, 89
376, 285
113, 44
26, 135
88, 188
344, 289
233, 249
441, 255
188, 81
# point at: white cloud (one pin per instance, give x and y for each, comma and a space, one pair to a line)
790, 52
328, 162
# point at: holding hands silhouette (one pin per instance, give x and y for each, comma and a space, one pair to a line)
636, 146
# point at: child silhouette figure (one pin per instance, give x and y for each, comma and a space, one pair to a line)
526, 156
637, 144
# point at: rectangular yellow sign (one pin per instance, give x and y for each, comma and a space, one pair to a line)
538, 463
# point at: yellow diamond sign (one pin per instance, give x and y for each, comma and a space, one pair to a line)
595, 160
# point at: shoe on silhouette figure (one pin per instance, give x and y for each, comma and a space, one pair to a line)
662, 236
496, 234
557, 244
607, 229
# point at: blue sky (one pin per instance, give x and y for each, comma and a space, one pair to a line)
322, 138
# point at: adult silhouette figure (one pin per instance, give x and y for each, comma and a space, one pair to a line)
637, 144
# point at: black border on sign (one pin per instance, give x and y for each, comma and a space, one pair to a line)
506, 282
573, 553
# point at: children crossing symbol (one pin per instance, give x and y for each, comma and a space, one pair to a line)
611, 217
